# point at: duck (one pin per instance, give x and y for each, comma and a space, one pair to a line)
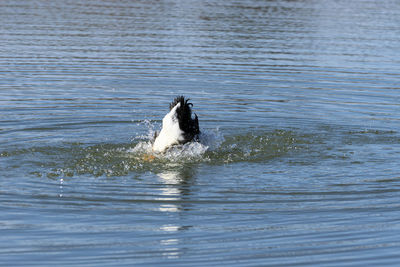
179, 126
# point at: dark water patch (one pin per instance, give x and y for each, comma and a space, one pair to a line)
121, 159
261, 146
258, 147
117, 160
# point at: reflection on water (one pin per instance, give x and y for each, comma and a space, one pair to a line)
171, 246
61, 188
171, 191
176, 191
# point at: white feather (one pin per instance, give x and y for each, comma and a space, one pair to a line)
170, 133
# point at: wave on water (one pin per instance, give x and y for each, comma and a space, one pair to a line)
214, 148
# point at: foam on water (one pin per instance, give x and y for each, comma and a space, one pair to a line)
209, 140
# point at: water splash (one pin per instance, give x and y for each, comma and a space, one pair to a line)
113, 160
209, 140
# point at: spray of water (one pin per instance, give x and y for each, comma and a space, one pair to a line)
209, 140
110, 159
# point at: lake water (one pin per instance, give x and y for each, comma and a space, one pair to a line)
298, 103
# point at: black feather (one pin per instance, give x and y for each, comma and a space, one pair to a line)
188, 125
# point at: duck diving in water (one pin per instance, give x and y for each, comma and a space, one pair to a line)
178, 126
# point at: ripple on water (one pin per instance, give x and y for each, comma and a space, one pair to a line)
121, 159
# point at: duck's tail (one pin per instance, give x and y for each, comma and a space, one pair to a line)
189, 125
